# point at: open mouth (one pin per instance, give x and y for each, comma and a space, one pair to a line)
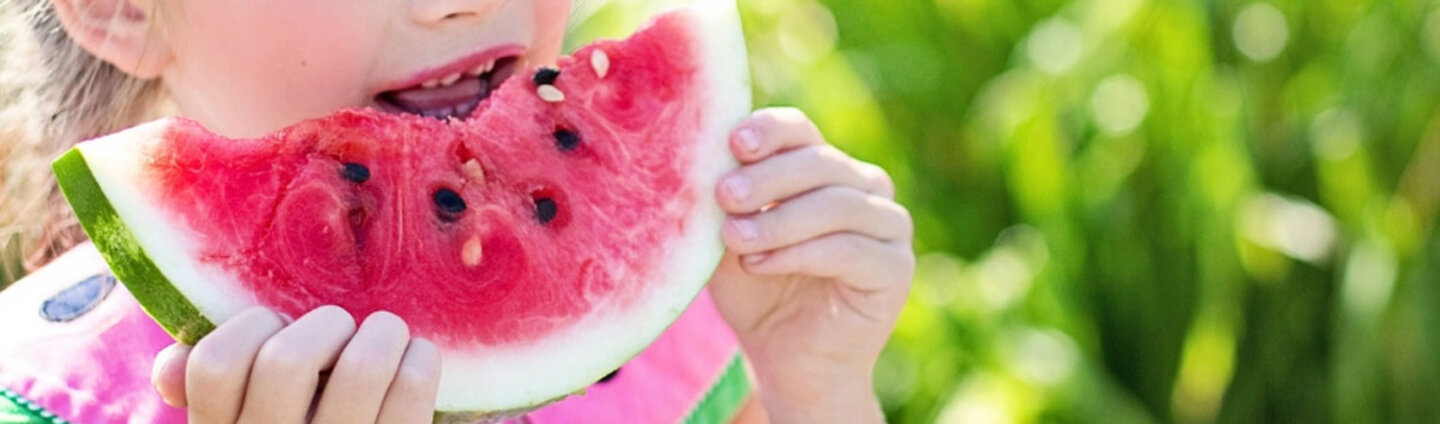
452, 96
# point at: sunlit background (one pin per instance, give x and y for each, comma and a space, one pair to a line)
1137, 210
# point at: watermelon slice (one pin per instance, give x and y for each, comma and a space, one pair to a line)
541, 242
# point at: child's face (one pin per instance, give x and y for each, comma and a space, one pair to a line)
247, 67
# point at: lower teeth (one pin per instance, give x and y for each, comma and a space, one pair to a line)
459, 111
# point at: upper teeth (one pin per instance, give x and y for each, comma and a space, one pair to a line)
451, 79
482, 69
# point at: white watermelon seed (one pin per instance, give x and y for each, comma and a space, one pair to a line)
473, 252
550, 94
474, 171
601, 62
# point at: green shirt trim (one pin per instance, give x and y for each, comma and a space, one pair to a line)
15, 409
724, 399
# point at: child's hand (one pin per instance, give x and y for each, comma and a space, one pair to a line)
255, 368
819, 265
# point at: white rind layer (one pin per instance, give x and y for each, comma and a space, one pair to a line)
497, 378
118, 163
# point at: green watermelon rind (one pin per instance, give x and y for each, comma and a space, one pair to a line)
127, 259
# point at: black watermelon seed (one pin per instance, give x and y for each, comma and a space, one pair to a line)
567, 140
546, 209
449, 201
355, 172
546, 76
610, 376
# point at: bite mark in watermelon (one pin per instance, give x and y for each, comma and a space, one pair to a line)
540, 243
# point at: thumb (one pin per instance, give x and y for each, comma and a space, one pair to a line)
168, 374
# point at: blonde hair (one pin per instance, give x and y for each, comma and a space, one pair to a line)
53, 94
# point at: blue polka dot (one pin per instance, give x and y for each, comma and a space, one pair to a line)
80, 298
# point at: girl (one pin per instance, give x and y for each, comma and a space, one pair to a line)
810, 288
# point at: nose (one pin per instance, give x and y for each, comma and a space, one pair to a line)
430, 12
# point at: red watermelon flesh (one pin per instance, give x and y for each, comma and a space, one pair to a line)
540, 243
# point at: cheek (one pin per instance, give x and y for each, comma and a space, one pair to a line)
247, 67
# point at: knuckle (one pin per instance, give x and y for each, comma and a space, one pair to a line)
906, 222
891, 219
850, 246
878, 178
206, 367
416, 375
424, 352
766, 118
361, 368
768, 266
907, 266
790, 119
825, 153
786, 115
849, 200
212, 358
360, 356
878, 174
411, 378
281, 355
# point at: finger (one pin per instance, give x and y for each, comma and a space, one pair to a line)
828, 210
769, 131
364, 371
287, 369
863, 263
411, 398
168, 374
218, 367
792, 173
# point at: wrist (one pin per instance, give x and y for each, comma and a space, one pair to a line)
814, 395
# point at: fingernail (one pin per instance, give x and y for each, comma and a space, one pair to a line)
165, 364
747, 229
737, 187
168, 353
756, 258
749, 140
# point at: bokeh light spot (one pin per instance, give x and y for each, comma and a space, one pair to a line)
1295, 227
1261, 32
1119, 104
1336, 134
1055, 45
1043, 356
807, 32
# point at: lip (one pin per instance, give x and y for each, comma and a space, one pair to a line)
460, 65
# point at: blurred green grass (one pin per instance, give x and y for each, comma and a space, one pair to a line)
1137, 210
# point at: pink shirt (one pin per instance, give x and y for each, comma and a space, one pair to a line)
95, 367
